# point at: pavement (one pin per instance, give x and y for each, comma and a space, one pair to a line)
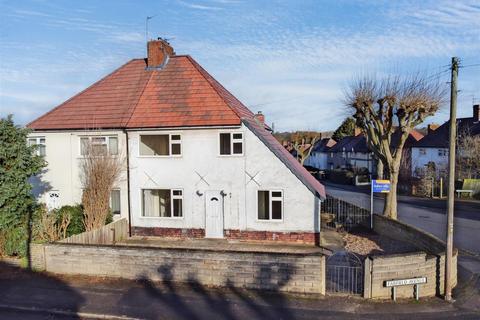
426, 214
33, 295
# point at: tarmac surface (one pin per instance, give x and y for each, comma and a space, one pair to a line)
33, 295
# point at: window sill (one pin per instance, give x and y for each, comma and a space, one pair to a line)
162, 218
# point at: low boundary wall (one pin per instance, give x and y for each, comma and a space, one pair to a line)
429, 263
285, 272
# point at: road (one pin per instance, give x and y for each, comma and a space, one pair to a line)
426, 214
26, 295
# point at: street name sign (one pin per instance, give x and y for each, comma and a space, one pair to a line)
405, 282
416, 282
381, 186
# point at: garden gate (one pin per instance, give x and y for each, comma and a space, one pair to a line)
344, 273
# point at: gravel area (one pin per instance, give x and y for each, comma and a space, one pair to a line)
365, 243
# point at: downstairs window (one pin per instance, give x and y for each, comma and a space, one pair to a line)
165, 203
270, 205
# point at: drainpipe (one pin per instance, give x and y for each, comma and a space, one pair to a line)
128, 187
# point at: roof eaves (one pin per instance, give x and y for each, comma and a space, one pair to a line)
318, 193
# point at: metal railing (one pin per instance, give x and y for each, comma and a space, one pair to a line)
338, 214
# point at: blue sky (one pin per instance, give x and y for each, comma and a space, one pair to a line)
290, 59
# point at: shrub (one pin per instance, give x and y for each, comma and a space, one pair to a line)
76, 218
50, 226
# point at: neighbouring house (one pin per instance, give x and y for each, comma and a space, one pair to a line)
319, 156
352, 152
198, 162
433, 148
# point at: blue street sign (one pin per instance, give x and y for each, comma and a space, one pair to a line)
381, 186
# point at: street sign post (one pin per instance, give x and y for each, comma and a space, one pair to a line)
378, 186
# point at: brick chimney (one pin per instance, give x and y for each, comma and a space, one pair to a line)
260, 117
158, 53
432, 127
476, 112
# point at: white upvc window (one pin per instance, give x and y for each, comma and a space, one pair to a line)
162, 203
115, 201
422, 151
270, 205
159, 145
40, 143
99, 145
231, 143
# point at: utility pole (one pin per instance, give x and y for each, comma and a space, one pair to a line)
451, 179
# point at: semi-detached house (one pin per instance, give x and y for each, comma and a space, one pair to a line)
198, 162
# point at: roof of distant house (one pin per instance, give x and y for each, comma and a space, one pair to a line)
358, 143
440, 137
323, 145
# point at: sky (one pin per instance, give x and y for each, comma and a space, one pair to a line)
292, 60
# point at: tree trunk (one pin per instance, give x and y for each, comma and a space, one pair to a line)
390, 208
379, 169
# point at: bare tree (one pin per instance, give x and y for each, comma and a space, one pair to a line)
468, 155
304, 149
383, 106
99, 171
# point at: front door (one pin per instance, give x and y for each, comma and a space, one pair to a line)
214, 214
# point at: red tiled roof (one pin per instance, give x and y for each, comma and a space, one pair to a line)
181, 94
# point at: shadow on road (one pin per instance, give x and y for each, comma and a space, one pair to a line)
24, 289
214, 303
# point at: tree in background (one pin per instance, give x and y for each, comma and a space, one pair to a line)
347, 128
99, 171
383, 106
468, 155
18, 162
303, 148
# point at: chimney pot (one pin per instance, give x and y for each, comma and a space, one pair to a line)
476, 112
158, 53
260, 117
432, 127
357, 131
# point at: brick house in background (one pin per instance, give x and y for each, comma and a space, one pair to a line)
433, 148
198, 162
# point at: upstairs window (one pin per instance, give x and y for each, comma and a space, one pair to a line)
99, 145
161, 145
422, 151
165, 203
270, 205
231, 143
40, 143
442, 152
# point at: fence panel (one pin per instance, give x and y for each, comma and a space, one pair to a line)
108, 234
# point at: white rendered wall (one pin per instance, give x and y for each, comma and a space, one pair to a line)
200, 157
62, 173
318, 160
431, 155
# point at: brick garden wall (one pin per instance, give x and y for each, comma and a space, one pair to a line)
429, 263
379, 269
248, 235
286, 272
